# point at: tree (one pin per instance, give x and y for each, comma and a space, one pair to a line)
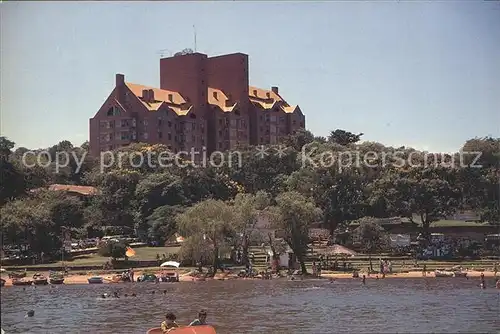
293, 214
343, 137
372, 237
162, 224
247, 208
486, 150
212, 220
344, 200
39, 219
113, 249
298, 139
6, 147
418, 191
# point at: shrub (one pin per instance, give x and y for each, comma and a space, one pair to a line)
112, 249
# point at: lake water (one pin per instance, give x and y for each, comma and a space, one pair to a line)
238, 307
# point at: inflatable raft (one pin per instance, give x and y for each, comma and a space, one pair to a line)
185, 330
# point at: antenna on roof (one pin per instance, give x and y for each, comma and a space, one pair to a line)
194, 28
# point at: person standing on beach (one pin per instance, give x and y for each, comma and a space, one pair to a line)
131, 274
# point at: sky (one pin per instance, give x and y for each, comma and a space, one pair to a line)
419, 74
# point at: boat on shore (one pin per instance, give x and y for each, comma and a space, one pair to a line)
443, 273
56, 280
147, 278
21, 281
459, 274
95, 280
39, 279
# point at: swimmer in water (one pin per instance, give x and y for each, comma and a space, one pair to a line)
134, 295
115, 294
164, 292
364, 279
29, 314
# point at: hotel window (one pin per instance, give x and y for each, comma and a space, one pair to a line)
194, 139
193, 126
159, 121
169, 136
124, 136
160, 135
282, 119
145, 122
124, 123
169, 124
294, 122
134, 122
145, 135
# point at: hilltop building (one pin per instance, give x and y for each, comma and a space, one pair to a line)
202, 102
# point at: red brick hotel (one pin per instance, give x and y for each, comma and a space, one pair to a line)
202, 102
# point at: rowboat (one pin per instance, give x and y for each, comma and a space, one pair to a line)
439, 273
21, 281
185, 330
56, 280
459, 274
39, 279
147, 278
95, 280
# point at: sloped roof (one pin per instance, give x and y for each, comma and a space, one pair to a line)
82, 190
218, 98
161, 96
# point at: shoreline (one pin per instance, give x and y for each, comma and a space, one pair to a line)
83, 279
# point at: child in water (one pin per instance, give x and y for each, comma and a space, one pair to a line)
169, 322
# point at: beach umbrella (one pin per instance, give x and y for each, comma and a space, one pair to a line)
170, 264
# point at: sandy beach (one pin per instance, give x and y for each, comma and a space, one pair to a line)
83, 279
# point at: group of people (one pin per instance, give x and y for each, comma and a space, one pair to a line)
170, 321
